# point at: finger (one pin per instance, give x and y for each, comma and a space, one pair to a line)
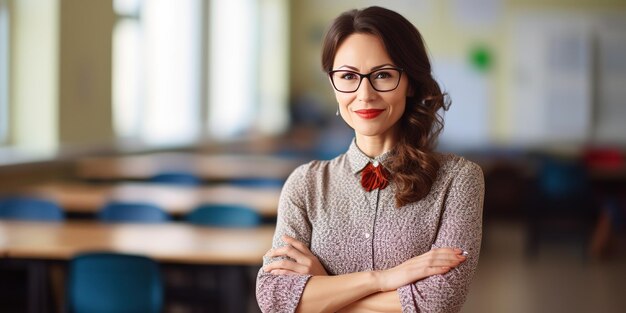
283, 251
446, 251
285, 265
450, 253
437, 270
449, 257
289, 251
297, 244
280, 265
437, 261
433, 256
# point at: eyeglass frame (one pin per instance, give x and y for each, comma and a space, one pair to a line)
361, 76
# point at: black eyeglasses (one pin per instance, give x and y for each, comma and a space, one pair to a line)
384, 79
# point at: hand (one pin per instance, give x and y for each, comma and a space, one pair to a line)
305, 261
434, 262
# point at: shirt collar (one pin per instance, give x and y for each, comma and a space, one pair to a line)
358, 160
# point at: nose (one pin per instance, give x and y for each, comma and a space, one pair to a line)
366, 92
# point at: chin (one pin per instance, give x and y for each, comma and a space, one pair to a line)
369, 131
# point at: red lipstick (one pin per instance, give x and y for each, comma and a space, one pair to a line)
369, 113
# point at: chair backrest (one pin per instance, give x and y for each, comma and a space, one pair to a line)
30, 209
133, 213
111, 282
224, 215
176, 178
562, 177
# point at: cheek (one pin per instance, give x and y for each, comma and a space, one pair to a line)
343, 99
399, 104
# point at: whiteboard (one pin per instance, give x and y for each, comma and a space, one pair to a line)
551, 91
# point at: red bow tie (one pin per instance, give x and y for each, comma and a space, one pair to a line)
373, 177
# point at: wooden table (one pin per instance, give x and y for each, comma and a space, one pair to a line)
36, 243
208, 167
170, 242
176, 200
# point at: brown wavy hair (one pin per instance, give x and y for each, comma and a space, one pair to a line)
414, 163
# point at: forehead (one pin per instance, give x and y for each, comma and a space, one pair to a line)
362, 51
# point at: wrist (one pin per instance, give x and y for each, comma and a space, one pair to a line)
378, 280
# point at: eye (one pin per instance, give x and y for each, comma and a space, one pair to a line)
348, 75
383, 75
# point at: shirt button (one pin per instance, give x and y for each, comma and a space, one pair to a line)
366, 235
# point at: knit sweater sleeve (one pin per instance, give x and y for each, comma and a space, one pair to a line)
281, 293
460, 227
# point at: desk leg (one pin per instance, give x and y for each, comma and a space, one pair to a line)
45, 286
234, 288
13, 286
37, 287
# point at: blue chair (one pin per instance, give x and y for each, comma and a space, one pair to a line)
111, 282
25, 208
224, 215
176, 178
259, 182
560, 204
559, 178
233, 281
30, 209
133, 213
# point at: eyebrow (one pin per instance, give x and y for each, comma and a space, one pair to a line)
371, 70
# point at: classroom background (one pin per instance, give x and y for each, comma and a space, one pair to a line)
165, 129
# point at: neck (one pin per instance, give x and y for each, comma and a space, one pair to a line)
374, 146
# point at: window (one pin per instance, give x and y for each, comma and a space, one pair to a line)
185, 70
232, 69
156, 70
4, 71
248, 68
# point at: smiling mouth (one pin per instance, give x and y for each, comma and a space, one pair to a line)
369, 113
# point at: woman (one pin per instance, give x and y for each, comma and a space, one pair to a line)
390, 225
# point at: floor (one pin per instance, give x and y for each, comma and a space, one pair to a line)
559, 278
